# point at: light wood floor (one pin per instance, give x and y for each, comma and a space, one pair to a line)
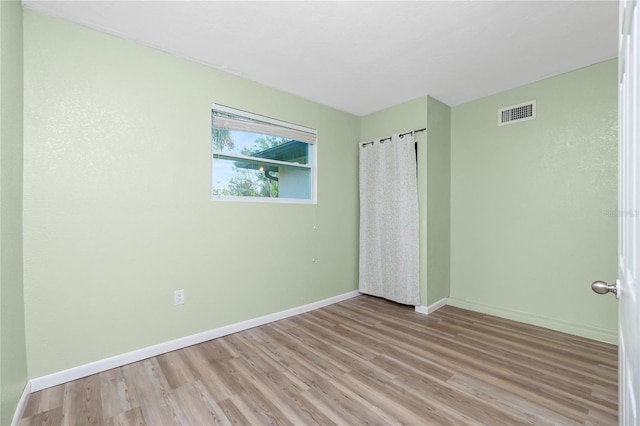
362, 361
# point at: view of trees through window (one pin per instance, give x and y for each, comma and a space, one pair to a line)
257, 157
244, 178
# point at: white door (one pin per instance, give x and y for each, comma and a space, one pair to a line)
629, 227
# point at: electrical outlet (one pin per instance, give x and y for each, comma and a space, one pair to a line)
178, 297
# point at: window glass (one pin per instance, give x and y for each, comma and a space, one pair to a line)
260, 159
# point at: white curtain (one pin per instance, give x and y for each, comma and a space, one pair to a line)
389, 233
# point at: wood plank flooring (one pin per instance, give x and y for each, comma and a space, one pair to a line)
362, 361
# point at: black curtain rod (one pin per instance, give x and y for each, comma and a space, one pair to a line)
413, 131
389, 138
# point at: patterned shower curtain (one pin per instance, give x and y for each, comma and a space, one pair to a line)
389, 227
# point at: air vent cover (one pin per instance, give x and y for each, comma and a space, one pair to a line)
517, 113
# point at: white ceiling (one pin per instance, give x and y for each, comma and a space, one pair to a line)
363, 56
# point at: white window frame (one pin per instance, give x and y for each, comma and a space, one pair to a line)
283, 129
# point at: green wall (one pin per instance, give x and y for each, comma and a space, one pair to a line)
433, 183
532, 204
13, 365
438, 200
116, 202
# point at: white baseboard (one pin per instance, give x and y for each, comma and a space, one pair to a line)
432, 307
22, 403
95, 367
527, 318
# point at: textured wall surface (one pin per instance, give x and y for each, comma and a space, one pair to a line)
13, 361
533, 204
117, 210
438, 201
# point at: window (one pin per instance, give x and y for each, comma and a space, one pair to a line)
261, 159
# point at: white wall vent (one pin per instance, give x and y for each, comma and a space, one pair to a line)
517, 113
